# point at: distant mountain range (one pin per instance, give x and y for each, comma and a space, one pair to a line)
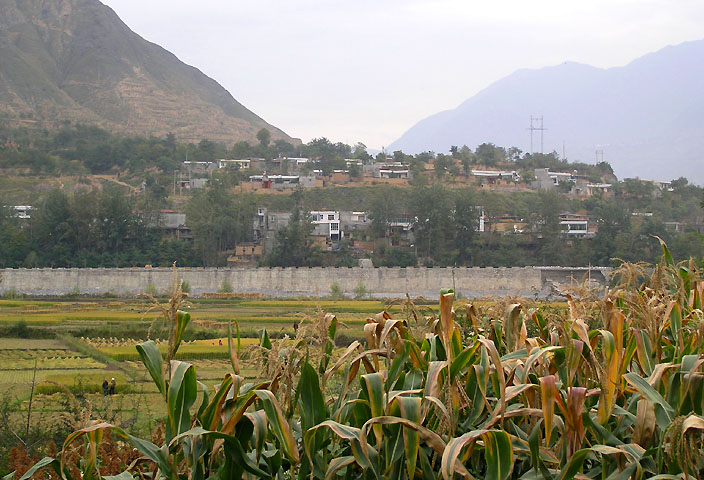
76, 61
646, 117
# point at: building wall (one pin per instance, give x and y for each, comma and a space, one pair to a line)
382, 282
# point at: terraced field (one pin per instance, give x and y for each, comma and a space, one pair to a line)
94, 339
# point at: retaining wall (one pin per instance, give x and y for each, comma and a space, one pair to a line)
537, 282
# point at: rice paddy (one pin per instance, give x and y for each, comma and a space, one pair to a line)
107, 330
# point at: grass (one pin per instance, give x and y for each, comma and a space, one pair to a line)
207, 350
30, 344
81, 383
7, 356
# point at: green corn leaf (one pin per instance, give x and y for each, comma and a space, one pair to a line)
498, 453
410, 410
373, 387
345, 432
153, 453
574, 466
279, 425
311, 404
329, 343
44, 462
336, 464
210, 417
182, 394
667, 256
260, 430
651, 394
154, 363
264, 340
463, 359
182, 321
234, 351
121, 476
398, 366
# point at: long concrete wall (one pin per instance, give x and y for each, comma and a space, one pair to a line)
537, 282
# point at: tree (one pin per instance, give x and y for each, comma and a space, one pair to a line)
465, 222
294, 247
218, 221
442, 165
432, 206
264, 137
490, 155
547, 221
382, 207
359, 152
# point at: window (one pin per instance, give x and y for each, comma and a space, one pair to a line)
330, 217
334, 227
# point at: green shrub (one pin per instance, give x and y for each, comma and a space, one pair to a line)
11, 294
226, 287
151, 289
336, 292
361, 291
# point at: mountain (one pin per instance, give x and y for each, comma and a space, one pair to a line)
76, 61
647, 117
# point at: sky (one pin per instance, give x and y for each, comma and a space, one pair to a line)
367, 70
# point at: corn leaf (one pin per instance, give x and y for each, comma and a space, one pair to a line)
182, 321
653, 396
279, 425
154, 363
44, 462
410, 410
182, 394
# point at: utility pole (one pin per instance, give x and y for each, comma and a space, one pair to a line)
536, 125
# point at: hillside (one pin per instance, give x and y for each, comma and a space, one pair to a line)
647, 117
76, 61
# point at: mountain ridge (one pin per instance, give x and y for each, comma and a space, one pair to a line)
646, 116
76, 61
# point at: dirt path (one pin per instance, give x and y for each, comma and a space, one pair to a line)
113, 178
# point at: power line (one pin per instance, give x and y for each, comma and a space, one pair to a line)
536, 125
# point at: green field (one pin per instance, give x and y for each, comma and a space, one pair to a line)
107, 330
72, 345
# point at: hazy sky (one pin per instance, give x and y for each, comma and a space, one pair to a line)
367, 70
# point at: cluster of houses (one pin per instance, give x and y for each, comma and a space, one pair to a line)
329, 227
305, 173
300, 172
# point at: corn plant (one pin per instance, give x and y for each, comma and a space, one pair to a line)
608, 389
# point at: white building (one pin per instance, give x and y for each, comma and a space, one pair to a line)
574, 225
493, 175
327, 223
241, 164
23, 212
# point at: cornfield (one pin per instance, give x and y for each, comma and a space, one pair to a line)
610, 388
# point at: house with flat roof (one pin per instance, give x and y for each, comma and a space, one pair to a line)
576, 225
494, 176
242, 164
326, 223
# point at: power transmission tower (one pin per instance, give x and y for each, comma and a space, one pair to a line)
599, 156
536, 125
